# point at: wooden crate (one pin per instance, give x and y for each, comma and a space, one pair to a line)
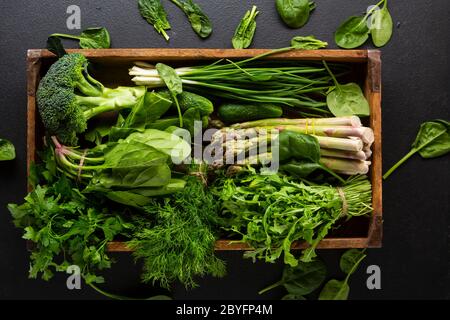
359, 232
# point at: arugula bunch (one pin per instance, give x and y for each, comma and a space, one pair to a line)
270, 212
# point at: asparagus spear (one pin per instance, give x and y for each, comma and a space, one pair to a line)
348, 167
358, 155
352, 121
365, 134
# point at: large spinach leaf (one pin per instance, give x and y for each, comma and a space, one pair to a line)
339, 290
433, 140
346, 100
295, 13
381, 26
91, 38
198, 19
168, 143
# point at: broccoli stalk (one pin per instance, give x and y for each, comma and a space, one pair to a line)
68, 97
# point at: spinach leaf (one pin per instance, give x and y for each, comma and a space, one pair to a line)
433, 140
55, 46
352, 33
298, 146
132, 154
302, 279
168, 143
152, 176
307, 43
346, 100
339, 290
149, 108
153, 11
174, 84
91, 38
243, 36
350, 260
299, 154
295, 13
198, 19
381, 26
335, 290
7, 150
355, 31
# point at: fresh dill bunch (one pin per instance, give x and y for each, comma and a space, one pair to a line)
179, 245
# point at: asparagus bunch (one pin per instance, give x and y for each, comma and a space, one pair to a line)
345, 145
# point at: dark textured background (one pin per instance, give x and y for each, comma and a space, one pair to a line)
415, 256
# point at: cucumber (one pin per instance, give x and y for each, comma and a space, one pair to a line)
236, 112
188, 100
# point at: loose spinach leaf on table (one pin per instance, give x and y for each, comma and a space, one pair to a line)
91, 38
352, 33
307, 43
55, 46
153, 11
339, 290
301, 280
7, 150
355, 31
346, 100
433, 140
381, 26
173, 83
198, 19
295, 13
245, 31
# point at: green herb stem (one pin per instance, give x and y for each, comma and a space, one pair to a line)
276, 284
398, 164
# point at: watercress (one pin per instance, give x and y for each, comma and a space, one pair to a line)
295, 13
245, 31
346, 100
433, 140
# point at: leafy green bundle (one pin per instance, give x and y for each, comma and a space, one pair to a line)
273, 211
129, 171
179, 242
299, 85
66, 227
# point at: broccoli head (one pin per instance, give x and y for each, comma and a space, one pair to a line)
68, 97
